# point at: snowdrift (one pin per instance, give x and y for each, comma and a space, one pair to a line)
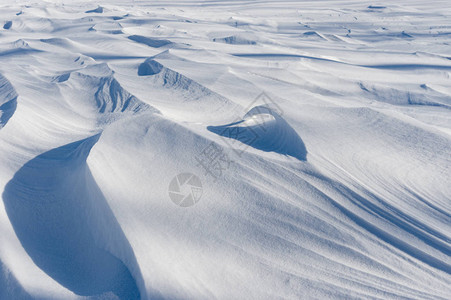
173, 93
266, 130
64, 223
102, 93
8, 101
103, 105
151, 42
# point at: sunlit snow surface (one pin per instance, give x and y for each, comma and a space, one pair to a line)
315, 137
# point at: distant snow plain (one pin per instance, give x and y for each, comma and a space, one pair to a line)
318, 134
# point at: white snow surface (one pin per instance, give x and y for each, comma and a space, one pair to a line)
345, 193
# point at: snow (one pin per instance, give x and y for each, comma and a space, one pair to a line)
315, 137
264, 129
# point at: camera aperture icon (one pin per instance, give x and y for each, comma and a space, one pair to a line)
185, 189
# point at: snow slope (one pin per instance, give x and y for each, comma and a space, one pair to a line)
319, 130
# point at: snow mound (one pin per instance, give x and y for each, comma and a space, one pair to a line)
149, 67
62, 78
376, 7
264, 129
111, 97
8, 100
8, 25
314, 34
155, 43
184, 93
19, 46
60, 42
235, 40
105, 96
66, 226
107, 27
171, 79
98, 10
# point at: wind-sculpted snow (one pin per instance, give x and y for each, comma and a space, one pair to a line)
235, 40
9, 287
330, 179
150, 67
8, 101
96, 10
156, 43
174, 80
264, 129
7, 25
64, 223
412, 97
179, 92
324, 233
111, 97
102, 92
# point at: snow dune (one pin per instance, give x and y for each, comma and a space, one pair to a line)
156, 43
264, 129
66, 226
8, 100
320, 132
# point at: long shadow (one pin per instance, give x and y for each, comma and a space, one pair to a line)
402, 67
263, 129
8, 101
64, 223
155, 43
7, 111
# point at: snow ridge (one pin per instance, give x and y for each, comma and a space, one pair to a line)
8, 101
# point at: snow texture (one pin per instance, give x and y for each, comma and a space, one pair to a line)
318, 134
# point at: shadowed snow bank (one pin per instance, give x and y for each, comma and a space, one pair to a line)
264, 129
10, 288
66, 226
8, 101
155, 43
